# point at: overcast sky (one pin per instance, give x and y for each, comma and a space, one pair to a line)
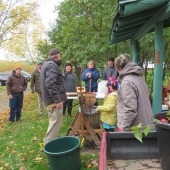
47, 11
47, 14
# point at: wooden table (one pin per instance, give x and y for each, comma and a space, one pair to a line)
98, 96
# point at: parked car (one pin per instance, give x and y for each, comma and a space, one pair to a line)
6, 74
2, 81
26, 75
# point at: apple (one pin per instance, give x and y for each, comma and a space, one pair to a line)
164, 120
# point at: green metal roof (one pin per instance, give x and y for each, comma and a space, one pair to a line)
135, 18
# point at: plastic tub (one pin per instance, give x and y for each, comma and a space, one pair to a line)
64, 153
163, 137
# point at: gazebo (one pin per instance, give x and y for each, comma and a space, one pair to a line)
134, 19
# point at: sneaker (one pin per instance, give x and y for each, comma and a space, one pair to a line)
18, 120
69, 115
10, 122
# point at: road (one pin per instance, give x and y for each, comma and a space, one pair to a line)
4, 101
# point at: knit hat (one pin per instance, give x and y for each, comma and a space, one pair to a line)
68, 64
112, 84
39, 63
111, 59
54, 51
17, 68
122, 60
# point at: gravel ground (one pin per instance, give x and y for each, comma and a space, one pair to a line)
4, 101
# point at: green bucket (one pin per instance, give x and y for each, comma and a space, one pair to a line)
64, 153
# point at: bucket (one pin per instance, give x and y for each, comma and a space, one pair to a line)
64, 153
163, 138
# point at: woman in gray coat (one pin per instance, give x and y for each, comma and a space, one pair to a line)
133, 104
70, 86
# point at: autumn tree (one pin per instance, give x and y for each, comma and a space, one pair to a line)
82, 32
21, 27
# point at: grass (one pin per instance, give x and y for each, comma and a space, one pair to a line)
2, 88
20, 147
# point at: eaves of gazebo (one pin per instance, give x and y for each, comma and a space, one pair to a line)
135, 18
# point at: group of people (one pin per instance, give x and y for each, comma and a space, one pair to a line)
124, 106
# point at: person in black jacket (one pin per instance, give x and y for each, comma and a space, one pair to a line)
53, 92
70, 85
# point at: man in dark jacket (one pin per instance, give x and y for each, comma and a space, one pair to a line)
110, 70
16, 84
35, 86
53, 92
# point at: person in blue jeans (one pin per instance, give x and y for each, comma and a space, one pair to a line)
16, 85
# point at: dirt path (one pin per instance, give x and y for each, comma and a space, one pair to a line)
4, 101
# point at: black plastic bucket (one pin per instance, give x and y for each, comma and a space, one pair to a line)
64, 153
163, 138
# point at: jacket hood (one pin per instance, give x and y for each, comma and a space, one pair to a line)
130, 68
58, 62
14, 74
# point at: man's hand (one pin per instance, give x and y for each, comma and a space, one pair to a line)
10, 96
59, 105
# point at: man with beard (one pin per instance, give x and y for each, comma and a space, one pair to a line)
35, 86
53, 92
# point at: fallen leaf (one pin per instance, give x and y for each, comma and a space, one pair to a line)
38, 158
128, 163
22, 168
110, 163
35, 139
23, 158
89, 165
94, 162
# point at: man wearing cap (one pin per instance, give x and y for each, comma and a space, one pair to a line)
16, 85
53, 92
110, 70
35, 86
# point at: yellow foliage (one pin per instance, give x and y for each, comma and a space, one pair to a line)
8, 66
21, 28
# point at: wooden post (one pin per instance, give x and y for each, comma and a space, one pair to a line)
158, 68
135, 50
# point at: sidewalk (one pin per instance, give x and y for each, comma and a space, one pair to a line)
144, 164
